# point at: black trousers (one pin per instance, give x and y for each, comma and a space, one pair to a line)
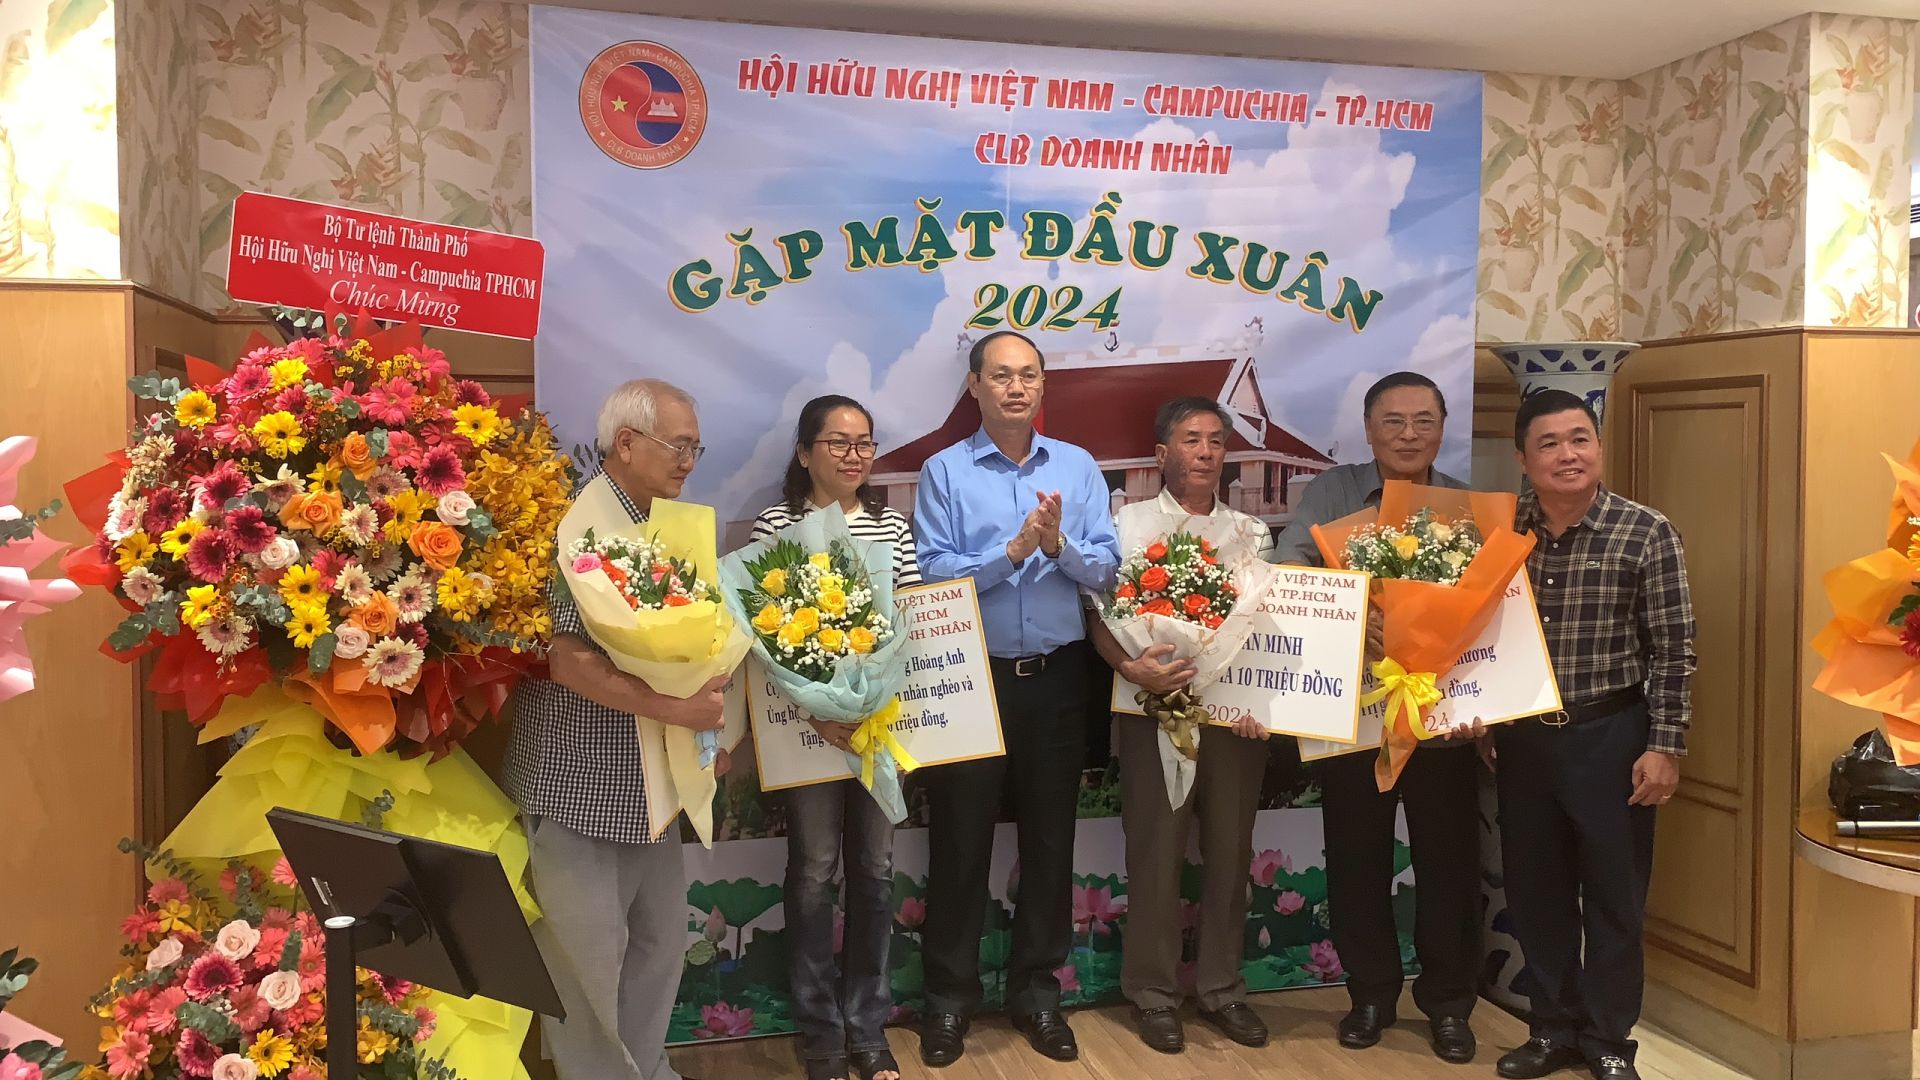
1578, 860
1440, 789
1043, 721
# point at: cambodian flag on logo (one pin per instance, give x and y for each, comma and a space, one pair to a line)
643, 104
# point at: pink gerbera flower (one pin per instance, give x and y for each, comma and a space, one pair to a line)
1910, 634
249, 1010
441, 472
426, 1018
164, 1016
389, 402
131, 1011
329, 562
210, 555
211, 975
249, 529
249, 381
403, 450
167, 889
293, 399
128, 1057
139, 926
432, 361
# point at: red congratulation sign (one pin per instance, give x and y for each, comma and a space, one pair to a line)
310, 255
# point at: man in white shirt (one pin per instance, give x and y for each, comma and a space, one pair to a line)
1191, 433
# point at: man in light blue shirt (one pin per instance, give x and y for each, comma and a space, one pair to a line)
1027, 517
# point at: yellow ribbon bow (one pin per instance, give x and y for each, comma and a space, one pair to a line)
1404, 691
875, 734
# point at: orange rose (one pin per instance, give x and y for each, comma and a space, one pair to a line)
317, 513
378, 616
1159, 605
1156, 552
1155, 579
358, 457
438, 544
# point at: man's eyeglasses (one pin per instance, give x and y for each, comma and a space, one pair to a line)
1422, 425
840, 448
688, 454
1003, 379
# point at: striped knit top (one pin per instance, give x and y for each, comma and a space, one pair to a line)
889, 526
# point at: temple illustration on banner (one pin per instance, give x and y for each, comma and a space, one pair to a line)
1106, 401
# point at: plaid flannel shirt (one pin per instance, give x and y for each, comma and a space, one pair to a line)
1613, 600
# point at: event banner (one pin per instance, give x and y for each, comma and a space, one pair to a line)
1505, 675
762, 215
1299, 672
947, 708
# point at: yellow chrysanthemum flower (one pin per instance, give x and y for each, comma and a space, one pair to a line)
300, 586
279, 434
821, 560
408, 507
792, 636
831, 640
271, 1053
1406, 546
325, 477
177, 539
861, 640
135, 550
807, 619
309, 622
195, 409
373, 1045
769, 619
197, 609
287, 372
479, 424
833, 602
775, 583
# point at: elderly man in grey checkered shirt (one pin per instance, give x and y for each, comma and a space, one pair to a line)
609, 880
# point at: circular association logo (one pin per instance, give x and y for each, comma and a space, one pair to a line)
643, 104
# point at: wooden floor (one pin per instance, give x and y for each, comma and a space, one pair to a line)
1302, 1023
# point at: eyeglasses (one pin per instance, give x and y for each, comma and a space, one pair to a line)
1422, 425
840, 448
688, 454
1003, 379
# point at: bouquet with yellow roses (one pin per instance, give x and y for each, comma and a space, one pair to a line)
820, 601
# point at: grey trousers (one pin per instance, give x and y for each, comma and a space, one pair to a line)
614, 937
1225, 796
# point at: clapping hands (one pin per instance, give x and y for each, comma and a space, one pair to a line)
1040, 531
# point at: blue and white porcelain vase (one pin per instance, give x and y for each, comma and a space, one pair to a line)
1582, 368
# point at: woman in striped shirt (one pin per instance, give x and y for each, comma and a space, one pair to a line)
841, 1013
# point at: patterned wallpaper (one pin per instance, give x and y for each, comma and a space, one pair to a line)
414, 107
1716, 166
158, 159
59, 184
1858, 164
1552, 261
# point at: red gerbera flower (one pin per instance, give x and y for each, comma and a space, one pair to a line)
212, 975
1910, 634
167, 889
249, 530
195, 1054
441, 472
389, 402
329, 563
210, 555
223, 484
248, 381
139, 926
293, 399
468, 392
165, 507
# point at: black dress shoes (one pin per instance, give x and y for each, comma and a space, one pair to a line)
1361, 1027
1160, 1029
1612, 1067
943, 1038
1536, 1058
1453, 1039
1047, 1032
1237, 1021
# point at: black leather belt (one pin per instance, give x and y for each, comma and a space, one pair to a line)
1022, 667
1618, 701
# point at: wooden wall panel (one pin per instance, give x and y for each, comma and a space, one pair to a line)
68, 748
1707, 433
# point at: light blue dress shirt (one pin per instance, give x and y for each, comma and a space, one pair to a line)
972, 501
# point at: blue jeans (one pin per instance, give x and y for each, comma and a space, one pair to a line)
839, 1008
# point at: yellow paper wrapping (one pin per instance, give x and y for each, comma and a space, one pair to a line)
675, 651
290, 763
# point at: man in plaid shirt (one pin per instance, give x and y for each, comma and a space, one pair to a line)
609, 881
1578, 788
